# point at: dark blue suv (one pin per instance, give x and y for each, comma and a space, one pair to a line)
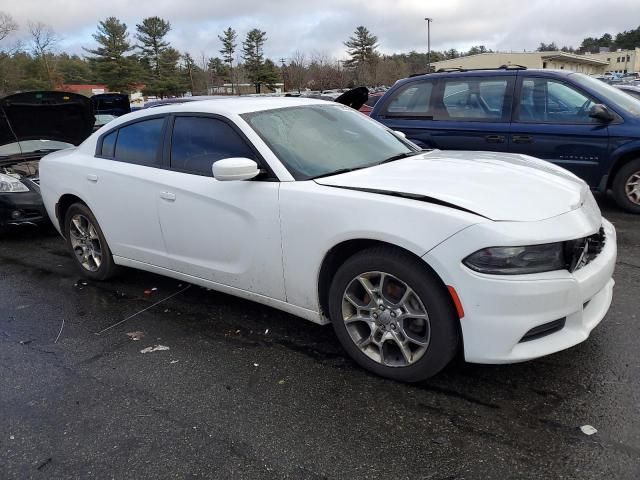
570, 119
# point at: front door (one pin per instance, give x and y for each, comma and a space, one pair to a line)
225, 232
552, 122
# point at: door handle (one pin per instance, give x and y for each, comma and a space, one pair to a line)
171, 197
92, 177
495, 139
522, 139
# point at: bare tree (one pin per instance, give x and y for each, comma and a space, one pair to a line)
7, 25
297, 69
43, 42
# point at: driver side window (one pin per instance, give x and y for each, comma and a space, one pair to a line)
548, 101
198, 142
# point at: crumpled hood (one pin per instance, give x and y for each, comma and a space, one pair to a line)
498, 186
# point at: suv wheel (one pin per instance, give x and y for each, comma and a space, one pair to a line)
626, 187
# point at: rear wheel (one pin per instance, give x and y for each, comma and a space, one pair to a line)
626, 187
392, 315
87, 244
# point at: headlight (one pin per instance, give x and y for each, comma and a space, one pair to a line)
518, 260
9, 184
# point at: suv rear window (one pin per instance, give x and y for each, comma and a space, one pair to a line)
474, 98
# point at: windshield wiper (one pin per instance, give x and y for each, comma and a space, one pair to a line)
400, 156
338, 172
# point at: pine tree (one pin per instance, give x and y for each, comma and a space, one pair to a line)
253, 55
110, 61
361, 47
151, 33
228, 39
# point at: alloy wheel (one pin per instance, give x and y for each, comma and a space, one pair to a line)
386, 319
85, 242
632, 188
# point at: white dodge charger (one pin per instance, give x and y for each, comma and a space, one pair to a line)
315, 209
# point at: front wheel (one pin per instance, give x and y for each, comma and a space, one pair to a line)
87, 244
393, 315
626, 187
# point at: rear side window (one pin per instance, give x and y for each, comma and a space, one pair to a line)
198, 142
139, 143
475, 99
109, 144
414, 100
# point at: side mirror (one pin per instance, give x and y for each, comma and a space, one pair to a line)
229, 169
601, 112
400, 134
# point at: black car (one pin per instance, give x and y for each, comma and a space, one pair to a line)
33, 124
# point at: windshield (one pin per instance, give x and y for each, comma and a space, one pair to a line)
607, 92
316, 140
31, 146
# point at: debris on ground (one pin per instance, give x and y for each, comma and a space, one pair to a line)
60, 332
155, 348
26, 342
266, 332
280, 382
174, 361
44, 464
588, 429
80, 284
439, 440
148, 291
256, 365
135, 336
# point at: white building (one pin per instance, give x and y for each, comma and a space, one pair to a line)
620, 61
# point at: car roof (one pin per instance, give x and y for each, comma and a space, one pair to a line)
490, 72
228, 106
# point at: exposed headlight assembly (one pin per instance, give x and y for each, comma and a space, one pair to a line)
518, 260
9, 184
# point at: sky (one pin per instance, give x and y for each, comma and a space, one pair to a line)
322, 26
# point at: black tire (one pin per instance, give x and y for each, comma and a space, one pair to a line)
618, 187
443, 319
107, 268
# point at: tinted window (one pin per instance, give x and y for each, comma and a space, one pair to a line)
197, 142
140, 142
411, 101
549, 101
109, 144
475, 99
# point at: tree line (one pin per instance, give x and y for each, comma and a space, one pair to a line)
124, 59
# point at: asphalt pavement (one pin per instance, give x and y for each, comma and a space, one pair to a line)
245, 391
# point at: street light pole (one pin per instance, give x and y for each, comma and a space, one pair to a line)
429, 20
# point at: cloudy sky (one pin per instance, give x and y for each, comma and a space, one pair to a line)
322, 26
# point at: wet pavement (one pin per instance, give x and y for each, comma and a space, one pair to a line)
245, 391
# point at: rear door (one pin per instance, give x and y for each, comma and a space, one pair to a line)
551, 121
453, 113
122, 185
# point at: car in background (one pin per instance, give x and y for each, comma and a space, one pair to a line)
315, 209
115, 104
367, 107
575, 121
33, 124
102, 119
633, 90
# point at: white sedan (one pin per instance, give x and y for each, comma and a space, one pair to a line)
315, 209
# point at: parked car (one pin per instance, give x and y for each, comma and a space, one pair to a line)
33, 124
315, 209
570, 119
367, 107
116, 104
633, 90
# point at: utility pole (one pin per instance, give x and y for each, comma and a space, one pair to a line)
284, 82
429, 20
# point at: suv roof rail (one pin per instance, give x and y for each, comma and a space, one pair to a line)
460, 69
